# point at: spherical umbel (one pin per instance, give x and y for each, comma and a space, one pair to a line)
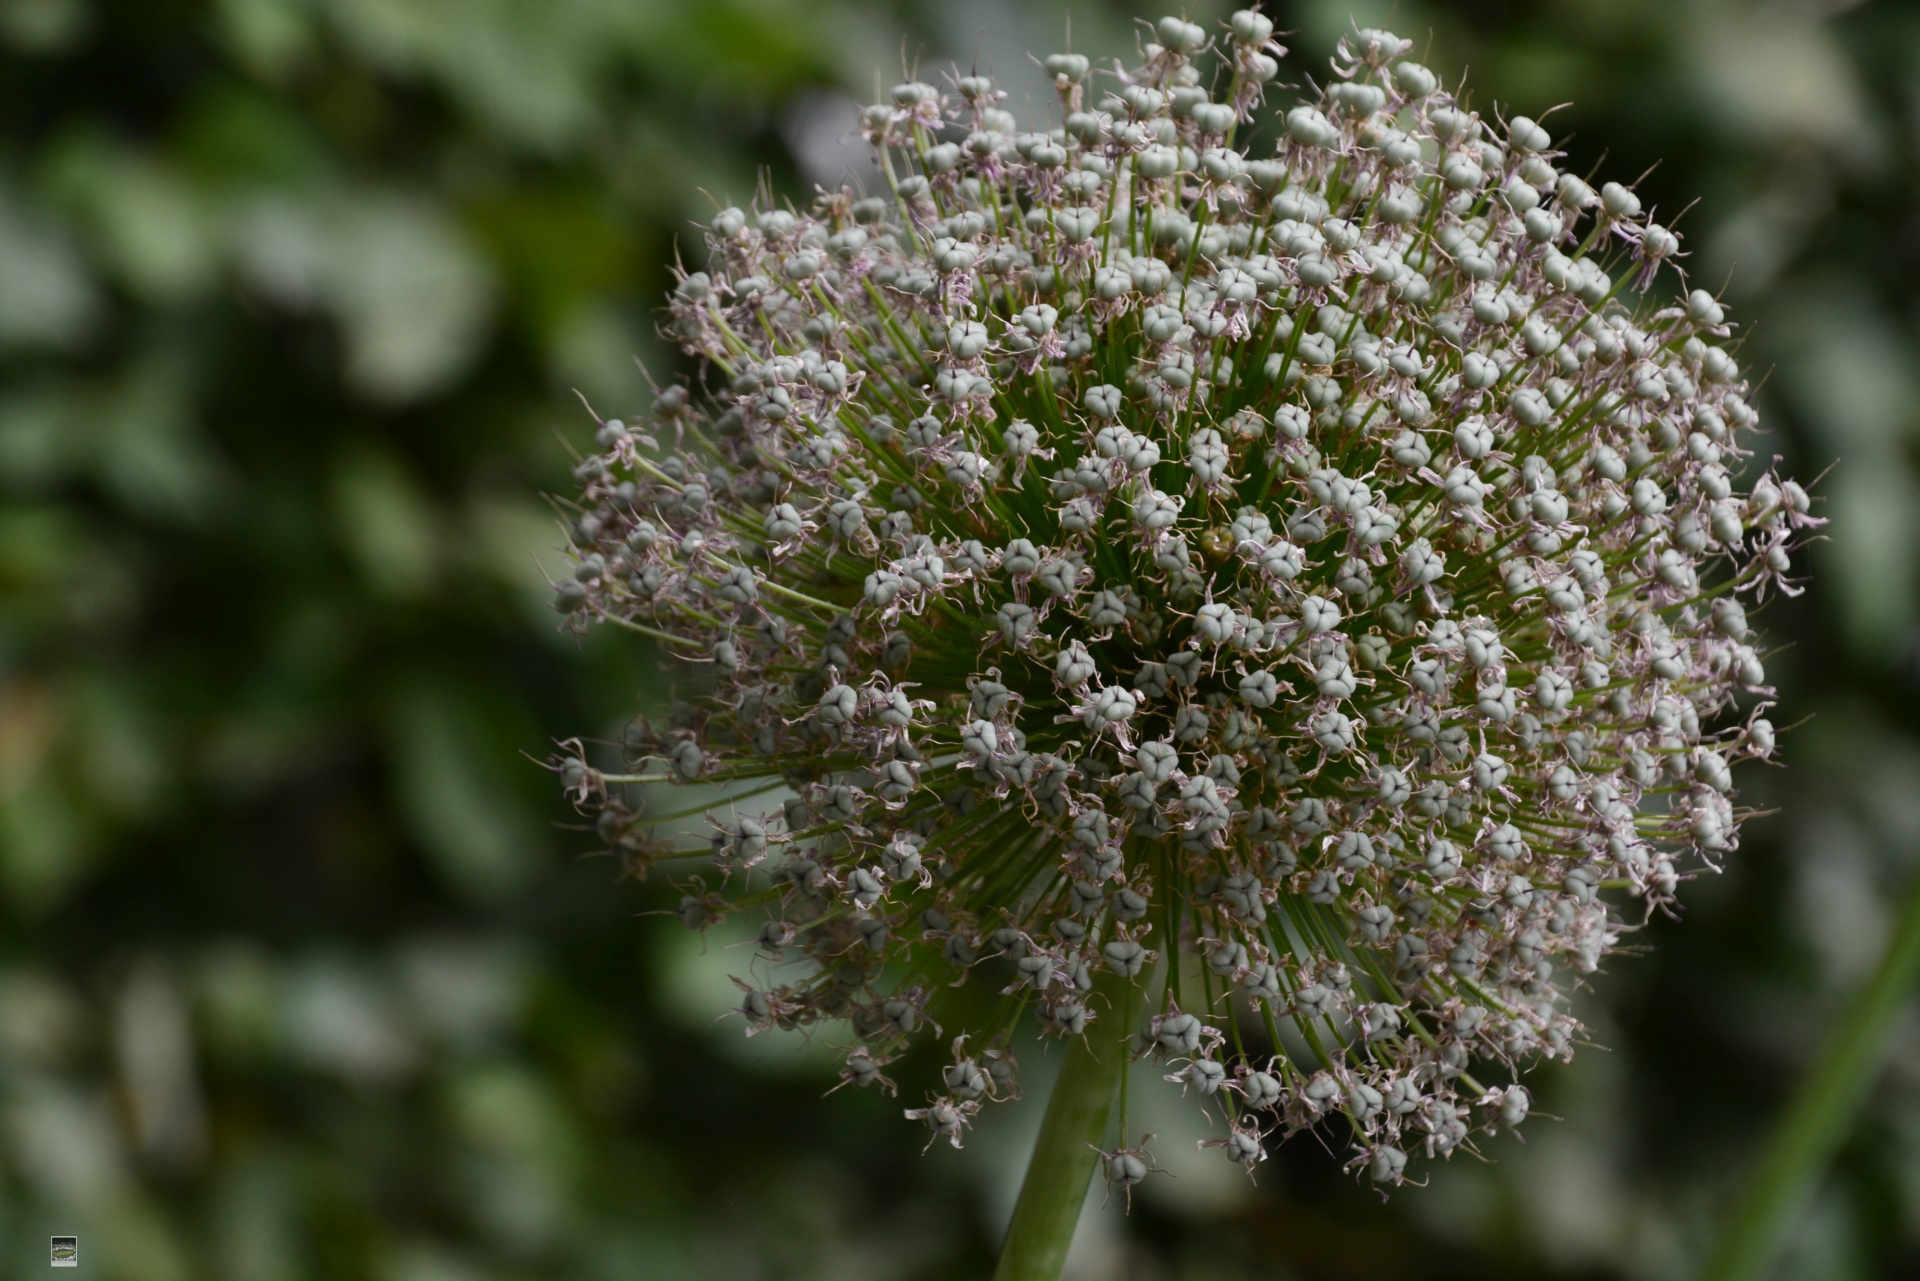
1258, 554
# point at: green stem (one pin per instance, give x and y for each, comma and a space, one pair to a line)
1823, 1109
1066, 1153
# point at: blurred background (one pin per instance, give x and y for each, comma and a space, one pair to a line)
303, 973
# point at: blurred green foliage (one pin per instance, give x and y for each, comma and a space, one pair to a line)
301, 973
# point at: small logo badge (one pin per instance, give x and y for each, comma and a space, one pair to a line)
66, 1252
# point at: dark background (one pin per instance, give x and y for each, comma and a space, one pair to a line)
302, 973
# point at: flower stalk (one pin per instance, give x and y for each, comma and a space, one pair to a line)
1068, 1148
1823, 1109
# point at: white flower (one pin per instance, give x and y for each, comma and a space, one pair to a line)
1361, 418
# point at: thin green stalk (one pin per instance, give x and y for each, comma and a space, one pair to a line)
1066, 1152
1822, 1111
